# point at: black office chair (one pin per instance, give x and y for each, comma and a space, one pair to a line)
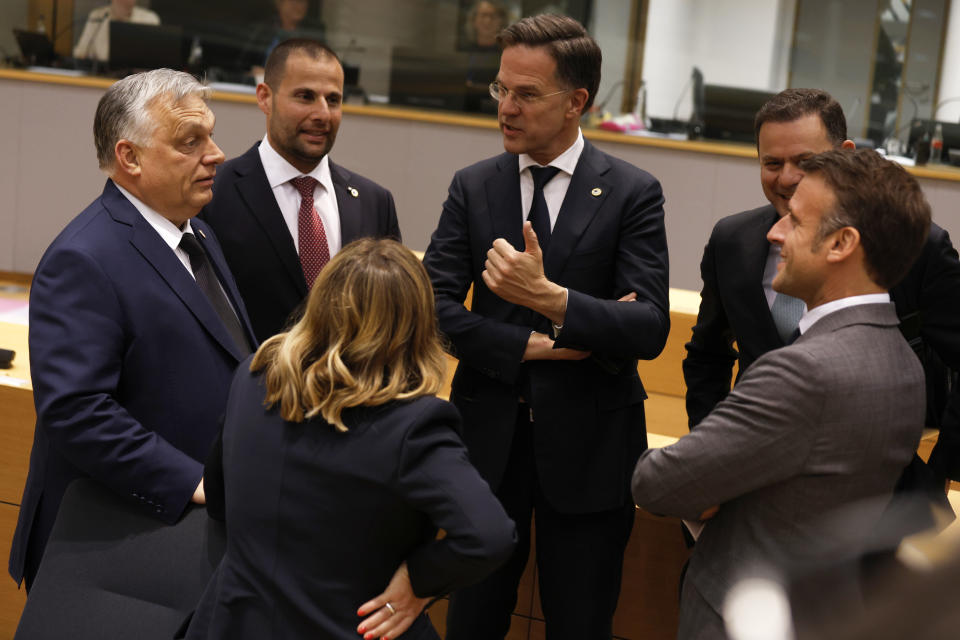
110, 571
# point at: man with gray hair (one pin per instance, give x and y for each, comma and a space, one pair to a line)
136, 324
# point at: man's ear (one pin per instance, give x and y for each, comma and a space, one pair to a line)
264, 97
578, 98
127, 157
842, 243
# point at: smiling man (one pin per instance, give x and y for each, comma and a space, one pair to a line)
821, 424
283, 208
565, 249
739, 305
136, 325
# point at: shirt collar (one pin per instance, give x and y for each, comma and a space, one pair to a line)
279, 171
566, 161
810, 317
169, 232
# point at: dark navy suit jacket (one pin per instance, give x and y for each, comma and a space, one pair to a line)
258, 246
318, 520
130, 366
608, 240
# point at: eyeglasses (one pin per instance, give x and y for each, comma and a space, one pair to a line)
499, 93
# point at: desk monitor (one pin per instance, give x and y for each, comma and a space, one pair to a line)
146, 46
36, 48
453, 81
728, 112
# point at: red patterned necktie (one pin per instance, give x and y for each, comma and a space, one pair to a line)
312, 237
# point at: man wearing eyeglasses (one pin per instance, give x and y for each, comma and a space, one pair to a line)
566, 252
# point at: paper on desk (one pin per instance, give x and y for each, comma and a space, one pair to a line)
14, 311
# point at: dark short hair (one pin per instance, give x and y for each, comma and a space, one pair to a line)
277, 60
577, 55
879, 199
793, 104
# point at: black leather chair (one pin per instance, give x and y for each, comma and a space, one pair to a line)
111, 571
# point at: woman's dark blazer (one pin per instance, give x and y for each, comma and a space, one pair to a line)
318, 521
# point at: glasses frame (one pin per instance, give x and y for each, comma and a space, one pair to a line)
495, 87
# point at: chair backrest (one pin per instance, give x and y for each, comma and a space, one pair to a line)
111, 571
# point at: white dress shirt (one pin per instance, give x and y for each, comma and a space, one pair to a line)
171, 235
556, 190
813, 315
280, 172
169, 232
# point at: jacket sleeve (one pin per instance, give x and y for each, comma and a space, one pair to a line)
393, 225
77, 342
486, 344
637, 329
751, 440
939, 306
213, 485
435, 476
708, 367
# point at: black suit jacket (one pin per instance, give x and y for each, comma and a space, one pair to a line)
130, 366
318, 520
733, 308
608, 241
258, 246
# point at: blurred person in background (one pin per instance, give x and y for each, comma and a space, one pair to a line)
94, 42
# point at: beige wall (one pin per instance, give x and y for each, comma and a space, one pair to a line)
49, 173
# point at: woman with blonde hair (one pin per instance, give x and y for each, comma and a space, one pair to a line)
337, 465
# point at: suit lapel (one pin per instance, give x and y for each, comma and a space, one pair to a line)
755, 251
503, 201
587, 192
258, 197
154, 250
349, 206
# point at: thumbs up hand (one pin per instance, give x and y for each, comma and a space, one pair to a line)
517, 276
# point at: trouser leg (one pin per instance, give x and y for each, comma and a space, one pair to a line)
580, 567
483, 611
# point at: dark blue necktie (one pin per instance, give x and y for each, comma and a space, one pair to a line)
539, 215
210, 286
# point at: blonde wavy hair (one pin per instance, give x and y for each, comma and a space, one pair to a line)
368, 336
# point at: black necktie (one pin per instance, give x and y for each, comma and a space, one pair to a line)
208, 283
539, 215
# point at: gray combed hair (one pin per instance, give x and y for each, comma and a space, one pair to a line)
123, 111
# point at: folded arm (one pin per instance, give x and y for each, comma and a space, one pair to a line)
608, 327
754, 438
492, 346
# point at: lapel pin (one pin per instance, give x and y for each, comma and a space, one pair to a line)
202, 234
596, 191
353, 192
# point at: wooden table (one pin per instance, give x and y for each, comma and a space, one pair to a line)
17, 420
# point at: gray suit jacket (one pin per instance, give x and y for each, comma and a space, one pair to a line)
810, 428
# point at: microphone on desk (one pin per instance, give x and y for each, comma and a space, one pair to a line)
6, 358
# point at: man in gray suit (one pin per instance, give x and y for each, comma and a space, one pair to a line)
829, 420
